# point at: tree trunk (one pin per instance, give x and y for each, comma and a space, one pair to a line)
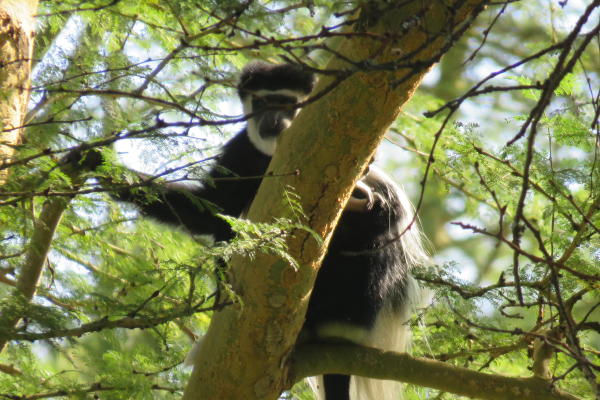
246, 352
17, 31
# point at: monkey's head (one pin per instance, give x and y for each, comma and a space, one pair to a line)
272, 90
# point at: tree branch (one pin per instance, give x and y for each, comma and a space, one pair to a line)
311, 360
39, 246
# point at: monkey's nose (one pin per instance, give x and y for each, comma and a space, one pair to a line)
272, 124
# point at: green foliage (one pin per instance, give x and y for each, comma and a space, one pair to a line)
478, 321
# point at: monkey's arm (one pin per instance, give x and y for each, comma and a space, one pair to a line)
231, 190
193, 207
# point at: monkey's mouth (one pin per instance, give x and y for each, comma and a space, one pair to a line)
270, 133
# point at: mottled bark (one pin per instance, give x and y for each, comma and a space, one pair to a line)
17, 31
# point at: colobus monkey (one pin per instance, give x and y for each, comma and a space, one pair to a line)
363, 290
249, 153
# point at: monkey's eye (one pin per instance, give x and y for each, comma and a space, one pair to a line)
259, 102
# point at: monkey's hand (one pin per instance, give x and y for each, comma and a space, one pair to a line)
363, 198
86, 159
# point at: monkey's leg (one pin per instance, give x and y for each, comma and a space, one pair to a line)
337, 387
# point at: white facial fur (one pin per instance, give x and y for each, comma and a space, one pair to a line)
266, 145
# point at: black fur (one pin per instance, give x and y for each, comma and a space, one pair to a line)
364, 271
239, 158
354, 279
231, 196
262, 76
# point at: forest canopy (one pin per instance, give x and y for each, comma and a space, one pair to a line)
497, 148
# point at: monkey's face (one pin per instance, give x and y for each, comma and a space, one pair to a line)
275, 111
269, 92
